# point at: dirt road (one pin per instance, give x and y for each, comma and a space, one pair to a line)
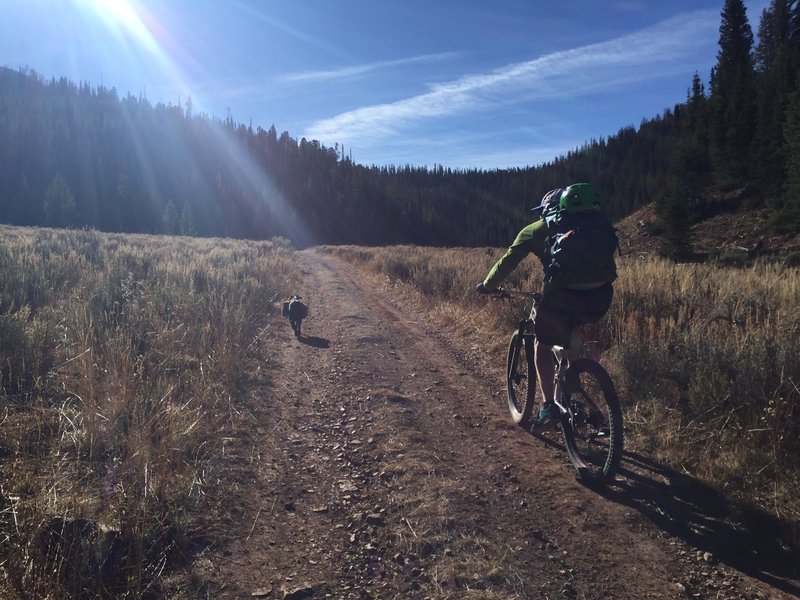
381, 463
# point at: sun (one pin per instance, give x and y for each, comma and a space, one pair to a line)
128, 20
117, 14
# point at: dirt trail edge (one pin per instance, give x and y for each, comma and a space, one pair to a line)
383, 464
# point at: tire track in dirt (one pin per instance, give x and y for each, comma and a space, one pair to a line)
385, 466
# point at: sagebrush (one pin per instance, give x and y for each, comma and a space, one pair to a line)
120, 360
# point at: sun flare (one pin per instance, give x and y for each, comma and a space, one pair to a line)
127, 20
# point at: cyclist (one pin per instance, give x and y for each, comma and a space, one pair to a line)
571, 297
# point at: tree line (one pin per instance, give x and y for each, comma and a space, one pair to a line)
81, 156
742, 133
75, 155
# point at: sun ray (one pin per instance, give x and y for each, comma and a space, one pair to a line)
136, 28
143, 36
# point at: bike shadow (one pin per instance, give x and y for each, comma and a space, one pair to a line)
736, 534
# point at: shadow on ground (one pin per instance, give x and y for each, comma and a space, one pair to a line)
316, 342
738, 535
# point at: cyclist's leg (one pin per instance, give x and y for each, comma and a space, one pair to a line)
545, 369
578, 307
551, 327
575, 345
587, 307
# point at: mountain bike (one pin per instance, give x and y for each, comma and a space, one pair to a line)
591, 417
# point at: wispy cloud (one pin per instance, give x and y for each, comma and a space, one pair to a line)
358, 70
259, 12
640, 56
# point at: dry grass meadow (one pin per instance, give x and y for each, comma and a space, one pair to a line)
119, 356
705, 358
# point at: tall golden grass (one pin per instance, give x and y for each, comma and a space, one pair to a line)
705, 358
120, 357
122, 360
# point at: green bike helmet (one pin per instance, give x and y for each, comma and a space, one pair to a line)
580, 197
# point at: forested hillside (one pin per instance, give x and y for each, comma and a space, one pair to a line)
73, 154
77, 155
744, 134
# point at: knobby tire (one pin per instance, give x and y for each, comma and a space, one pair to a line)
521, 379
592, 427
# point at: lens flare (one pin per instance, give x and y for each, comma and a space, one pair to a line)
132, 25
145, 38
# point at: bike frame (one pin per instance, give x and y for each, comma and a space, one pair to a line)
572, 400
559, 352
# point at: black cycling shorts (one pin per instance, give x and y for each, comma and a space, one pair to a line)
562, 310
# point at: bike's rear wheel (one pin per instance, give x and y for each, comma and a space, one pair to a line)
592, 427
521, 378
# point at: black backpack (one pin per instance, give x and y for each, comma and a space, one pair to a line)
580, 242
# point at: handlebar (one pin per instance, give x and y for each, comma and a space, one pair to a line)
502, 293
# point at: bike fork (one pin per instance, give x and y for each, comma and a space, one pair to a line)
558, 380
520, 341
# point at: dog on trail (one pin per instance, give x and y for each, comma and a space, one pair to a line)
296, 311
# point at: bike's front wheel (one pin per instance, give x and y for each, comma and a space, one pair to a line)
592, 427
521, 378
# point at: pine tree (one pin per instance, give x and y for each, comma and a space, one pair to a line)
681, 202
773, 33
775, 81
794, 36
789, 217
732, 121
59, 205
169, 218
124, 205
187, 224
695, 123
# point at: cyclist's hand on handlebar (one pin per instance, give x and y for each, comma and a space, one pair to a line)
500, 293
495, 293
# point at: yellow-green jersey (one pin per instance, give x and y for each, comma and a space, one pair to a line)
533, 239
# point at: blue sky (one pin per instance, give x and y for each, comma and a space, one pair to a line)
459, 83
